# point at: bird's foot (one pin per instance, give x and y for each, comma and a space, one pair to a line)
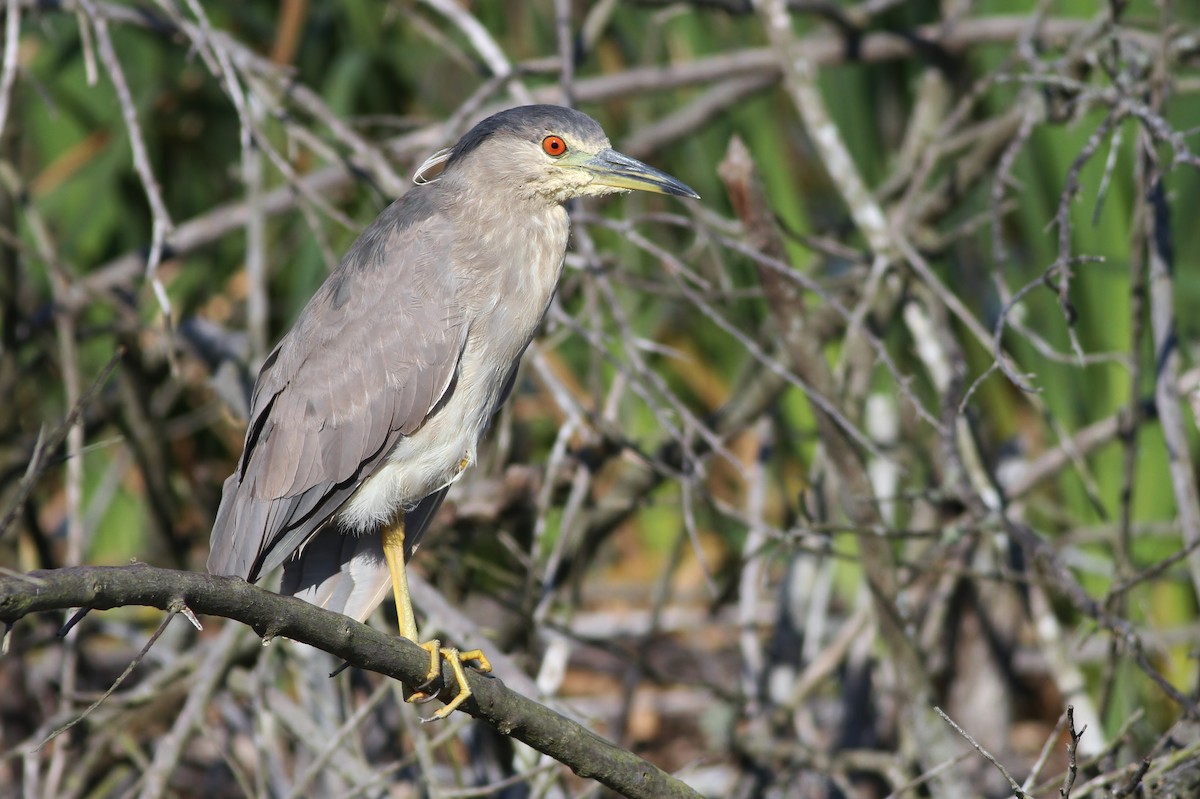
456, 659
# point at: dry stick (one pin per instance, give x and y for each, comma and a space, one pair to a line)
133, 664
1132, 417
206, 229
221, 66
637, 366
566, 50
1017, 791
1047, 350
809, 363
382, 775
298, 721
335, 743
209, 676
1057, 577
691, 463
879, 350
1161, 259
231, 55
65, 329
595, 22
1121, 587
427, 768
821, 49
55, 439
928, 741
137, 144
257, 304
828, 659
368, 155
799, 76
1072, 748
1135, 781
1032, 111
8, 73
1116, 100
497, 788
1059, 275
222, 56
1120, 738
275, 616
556, 463
266, 722
753, 574
939, 289
1044, 756
66, 333
567, 539
129, 112
921, 779
984, 498
1174, 776
639, 475
163, 683
714, 103
482, 41
817, 398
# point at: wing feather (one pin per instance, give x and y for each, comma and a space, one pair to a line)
368, 360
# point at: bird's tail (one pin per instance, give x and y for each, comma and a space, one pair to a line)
346, 572
224, 549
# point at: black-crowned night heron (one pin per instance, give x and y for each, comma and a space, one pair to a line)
375, 400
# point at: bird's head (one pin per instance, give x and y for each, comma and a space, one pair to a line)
547, 153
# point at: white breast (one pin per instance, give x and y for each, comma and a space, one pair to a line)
438, 452
420, 464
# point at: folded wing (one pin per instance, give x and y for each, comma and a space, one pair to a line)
369, 359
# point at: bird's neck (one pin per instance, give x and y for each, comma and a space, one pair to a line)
502, 199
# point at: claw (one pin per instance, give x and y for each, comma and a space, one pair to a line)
456, 659
420, 697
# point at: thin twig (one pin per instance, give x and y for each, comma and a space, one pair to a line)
8, 71
1017, 790
133, 664
54, 440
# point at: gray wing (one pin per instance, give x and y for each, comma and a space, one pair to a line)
368, 360
347, 573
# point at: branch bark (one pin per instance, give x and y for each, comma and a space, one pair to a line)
271, 616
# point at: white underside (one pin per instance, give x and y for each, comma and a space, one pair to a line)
432, 458
507, 305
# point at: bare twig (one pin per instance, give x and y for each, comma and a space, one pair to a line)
8, 69
54, 440
133, 664
1017, 790
1072, 749
137, 143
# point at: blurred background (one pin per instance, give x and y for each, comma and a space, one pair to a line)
899, 416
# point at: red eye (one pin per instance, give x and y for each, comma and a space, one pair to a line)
553, 145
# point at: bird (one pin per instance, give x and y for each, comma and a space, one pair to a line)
374, 402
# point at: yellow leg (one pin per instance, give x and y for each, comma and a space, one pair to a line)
393, 552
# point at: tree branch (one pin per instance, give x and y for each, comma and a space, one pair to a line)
272, 615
